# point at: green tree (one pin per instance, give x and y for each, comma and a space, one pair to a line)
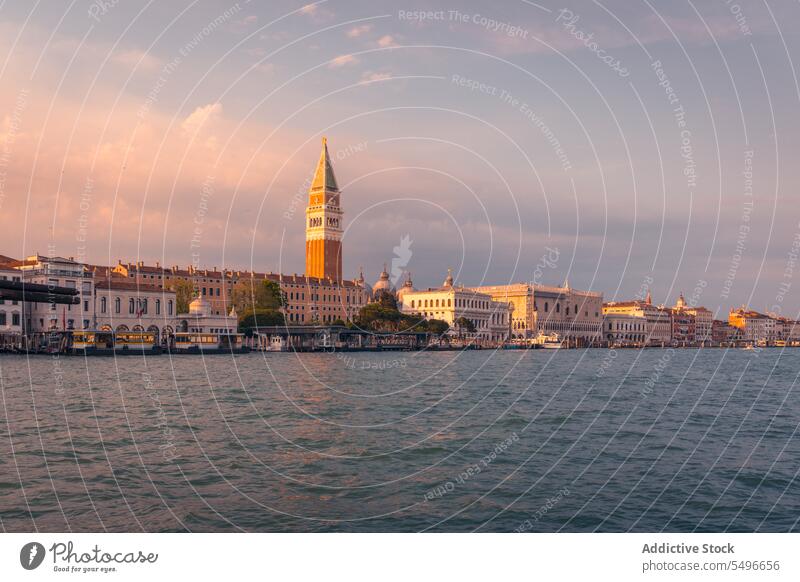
386, 300
463, 324
251, 295
437, 326
259, 319
184, 293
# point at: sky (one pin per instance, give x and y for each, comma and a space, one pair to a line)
623, 146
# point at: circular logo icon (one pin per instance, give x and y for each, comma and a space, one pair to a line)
31, 555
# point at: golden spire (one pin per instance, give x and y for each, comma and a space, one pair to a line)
324, 179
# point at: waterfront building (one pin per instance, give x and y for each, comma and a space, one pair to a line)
722, 332
324, 222
58, 272
122, 305
791, 330
703, 319
573, 314
752, 326
683, 328
11, 330
659, 321
625, 329
201, 319
492, 319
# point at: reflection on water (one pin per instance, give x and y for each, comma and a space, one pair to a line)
494, 441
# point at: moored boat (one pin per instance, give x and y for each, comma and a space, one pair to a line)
208, 343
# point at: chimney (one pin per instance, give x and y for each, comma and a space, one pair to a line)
158, 264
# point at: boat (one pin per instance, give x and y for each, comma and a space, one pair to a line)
549, 341
107, 343
208, 343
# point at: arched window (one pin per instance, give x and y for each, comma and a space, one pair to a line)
131, 306
158, 306
558, 308
449, 302
103, 305
169, 307
117, 305
546, 306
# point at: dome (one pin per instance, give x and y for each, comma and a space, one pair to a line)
448, 282
407, 286
199, 306
383, 284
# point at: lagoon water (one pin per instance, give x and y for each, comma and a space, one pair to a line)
545, 440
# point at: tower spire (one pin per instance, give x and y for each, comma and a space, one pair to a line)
324, 178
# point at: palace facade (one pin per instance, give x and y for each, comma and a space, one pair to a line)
573, 314
449, 303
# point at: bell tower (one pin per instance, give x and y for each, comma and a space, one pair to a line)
324, 222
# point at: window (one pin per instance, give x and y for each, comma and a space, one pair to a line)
86, 306
158, 306
558, 308
117, 305
131, 306
14, 318
546, 306
169, 307
3, 320
103, 304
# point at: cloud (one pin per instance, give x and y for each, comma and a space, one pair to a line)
135, 58
310, 9
342, 60
357, 31
372, 76
386, 41
200, 117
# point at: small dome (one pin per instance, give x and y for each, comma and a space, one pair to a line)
407, 286
383, 284
199, 306
448, 282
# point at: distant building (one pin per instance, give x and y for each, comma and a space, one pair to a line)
58, 272
703, 319
752, 326
449, 303
659, 320
722, 332
122, 305
11, 329
625, 329
200, 319
571, 313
